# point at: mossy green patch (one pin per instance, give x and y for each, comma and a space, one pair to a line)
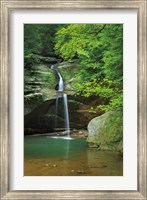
109, 133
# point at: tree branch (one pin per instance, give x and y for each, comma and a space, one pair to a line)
101, 29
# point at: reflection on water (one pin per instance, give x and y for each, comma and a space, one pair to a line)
47, 156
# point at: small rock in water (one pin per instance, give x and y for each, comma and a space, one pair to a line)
46, 165
104, 166
54, 165
80, 172
67, 132
72, 170
80, 132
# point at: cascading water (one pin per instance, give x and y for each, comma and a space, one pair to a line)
61, 94
61, 88
66, 114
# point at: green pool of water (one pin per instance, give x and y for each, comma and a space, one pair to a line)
44, 147
47, 156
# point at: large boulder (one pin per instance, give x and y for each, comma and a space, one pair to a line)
106, 131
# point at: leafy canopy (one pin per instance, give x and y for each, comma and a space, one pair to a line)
99, 48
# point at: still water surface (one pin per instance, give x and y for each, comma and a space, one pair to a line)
47, 156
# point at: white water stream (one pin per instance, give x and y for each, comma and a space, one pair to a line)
61, 94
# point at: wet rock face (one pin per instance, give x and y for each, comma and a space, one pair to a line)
42, 118
106, 131
40, 82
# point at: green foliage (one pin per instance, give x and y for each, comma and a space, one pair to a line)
103, 89
77, 39
39, 38
32, 39
99, 48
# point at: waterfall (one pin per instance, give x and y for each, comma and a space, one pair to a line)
66, 114
63, 96
56, 113
61, 87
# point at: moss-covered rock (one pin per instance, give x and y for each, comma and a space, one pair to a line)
38, 83
33, 59
106, 131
